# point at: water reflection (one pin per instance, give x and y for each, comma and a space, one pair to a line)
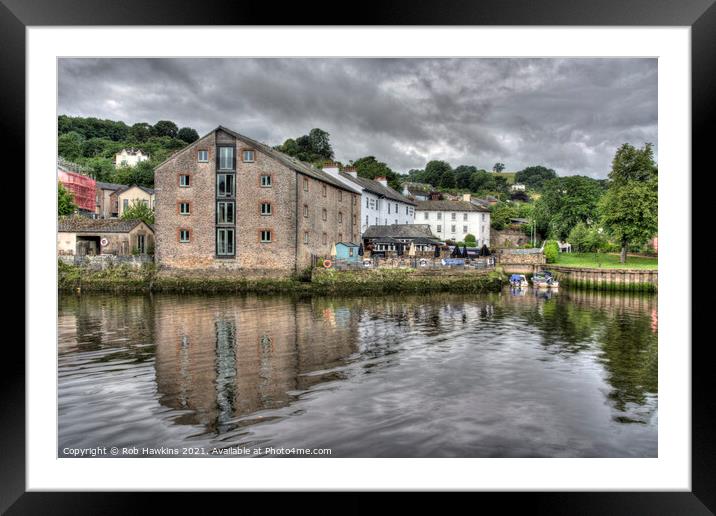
518, 373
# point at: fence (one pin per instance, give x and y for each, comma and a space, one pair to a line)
104, 261
377, 262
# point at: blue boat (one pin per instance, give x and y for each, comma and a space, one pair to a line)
518, 280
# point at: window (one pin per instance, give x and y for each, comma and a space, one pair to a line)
427, 215
355, 200
226, 158
265, 208
224, 241
265, 181
464, 217
265, 235
440, 228
354, 220
184, 208
340, 217
453, 216
367, 222
324, 214
305, 184
396, 207
464, 229
324, 191
183, 236
184, 180
225, 185
125, 204
452, 228
340, 195
483, 217
324, 239
376, 222
305, 210
224, 212
305, 237
366, 202
396, 221
440, 216
202, 156
247, 156
388, 208
340, 237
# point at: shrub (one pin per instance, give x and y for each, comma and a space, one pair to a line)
470, 239
551, 250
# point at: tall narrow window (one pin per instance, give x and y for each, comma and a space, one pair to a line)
225, 241
324, 239
265, 208
225, 185
340, 195
305, 184
225, 213
324, 191
464, 229
340, 217
305, 210
440, 228
265, 235
324, 214
226, 158
305, 237
427, 215
183, 236
184, 181
184, 208
464, 217
265, 181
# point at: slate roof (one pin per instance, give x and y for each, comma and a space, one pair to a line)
289, 161
87, 225
377, 188
400, 231
449, 206
109, 186
125, 188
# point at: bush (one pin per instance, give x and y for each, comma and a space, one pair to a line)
551, 250
470, 239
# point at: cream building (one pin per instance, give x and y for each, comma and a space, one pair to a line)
129, 157
123, 198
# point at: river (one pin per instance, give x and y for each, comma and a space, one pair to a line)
510, 374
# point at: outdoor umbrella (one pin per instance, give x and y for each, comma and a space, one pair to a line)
333, 251
464, 251
411, 250
437, 252
455, 252
360, 250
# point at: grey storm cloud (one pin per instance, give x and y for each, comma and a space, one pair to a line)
567, 114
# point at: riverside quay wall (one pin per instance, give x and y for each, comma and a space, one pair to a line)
641, 280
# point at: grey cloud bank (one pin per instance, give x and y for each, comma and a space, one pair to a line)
567, 114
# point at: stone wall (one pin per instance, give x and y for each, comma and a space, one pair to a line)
508, 238
105, 261
618, 279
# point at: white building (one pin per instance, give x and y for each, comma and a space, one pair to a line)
129, 157
380, 204
517, 187
454, 220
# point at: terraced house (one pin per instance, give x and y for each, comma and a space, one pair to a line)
230, 203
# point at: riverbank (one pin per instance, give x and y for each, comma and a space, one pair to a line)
73, 278
621, 280
606, 261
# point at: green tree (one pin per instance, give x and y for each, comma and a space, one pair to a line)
139, 210
141, 132
534, 177
498, 167
370, 168
314, 147
551, 251
188, 135
69, 145
501, 213
463, 175
482, 181
65, 201
565, 202
629, 210
165, 128
434, 171
448, 179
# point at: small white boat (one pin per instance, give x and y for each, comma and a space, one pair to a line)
544, 279
518, 280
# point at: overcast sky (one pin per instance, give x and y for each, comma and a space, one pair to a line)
566, 114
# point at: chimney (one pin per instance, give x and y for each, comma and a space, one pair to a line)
331, 167
382, 180
466, 197
351, 171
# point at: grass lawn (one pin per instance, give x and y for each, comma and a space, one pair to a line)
605, 261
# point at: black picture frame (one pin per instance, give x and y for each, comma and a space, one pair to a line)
700, 15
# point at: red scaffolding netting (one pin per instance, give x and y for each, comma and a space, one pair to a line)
83, 188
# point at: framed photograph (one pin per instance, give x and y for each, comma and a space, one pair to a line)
436, 250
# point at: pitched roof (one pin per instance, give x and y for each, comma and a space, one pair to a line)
449, 206
125, 188
377, 188
289, 161
109, 186
87, 225
399, 231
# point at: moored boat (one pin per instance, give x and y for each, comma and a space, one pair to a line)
518, 280
544, 279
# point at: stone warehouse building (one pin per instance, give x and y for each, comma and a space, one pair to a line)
227, 202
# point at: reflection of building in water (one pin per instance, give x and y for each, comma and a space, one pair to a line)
230, 357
